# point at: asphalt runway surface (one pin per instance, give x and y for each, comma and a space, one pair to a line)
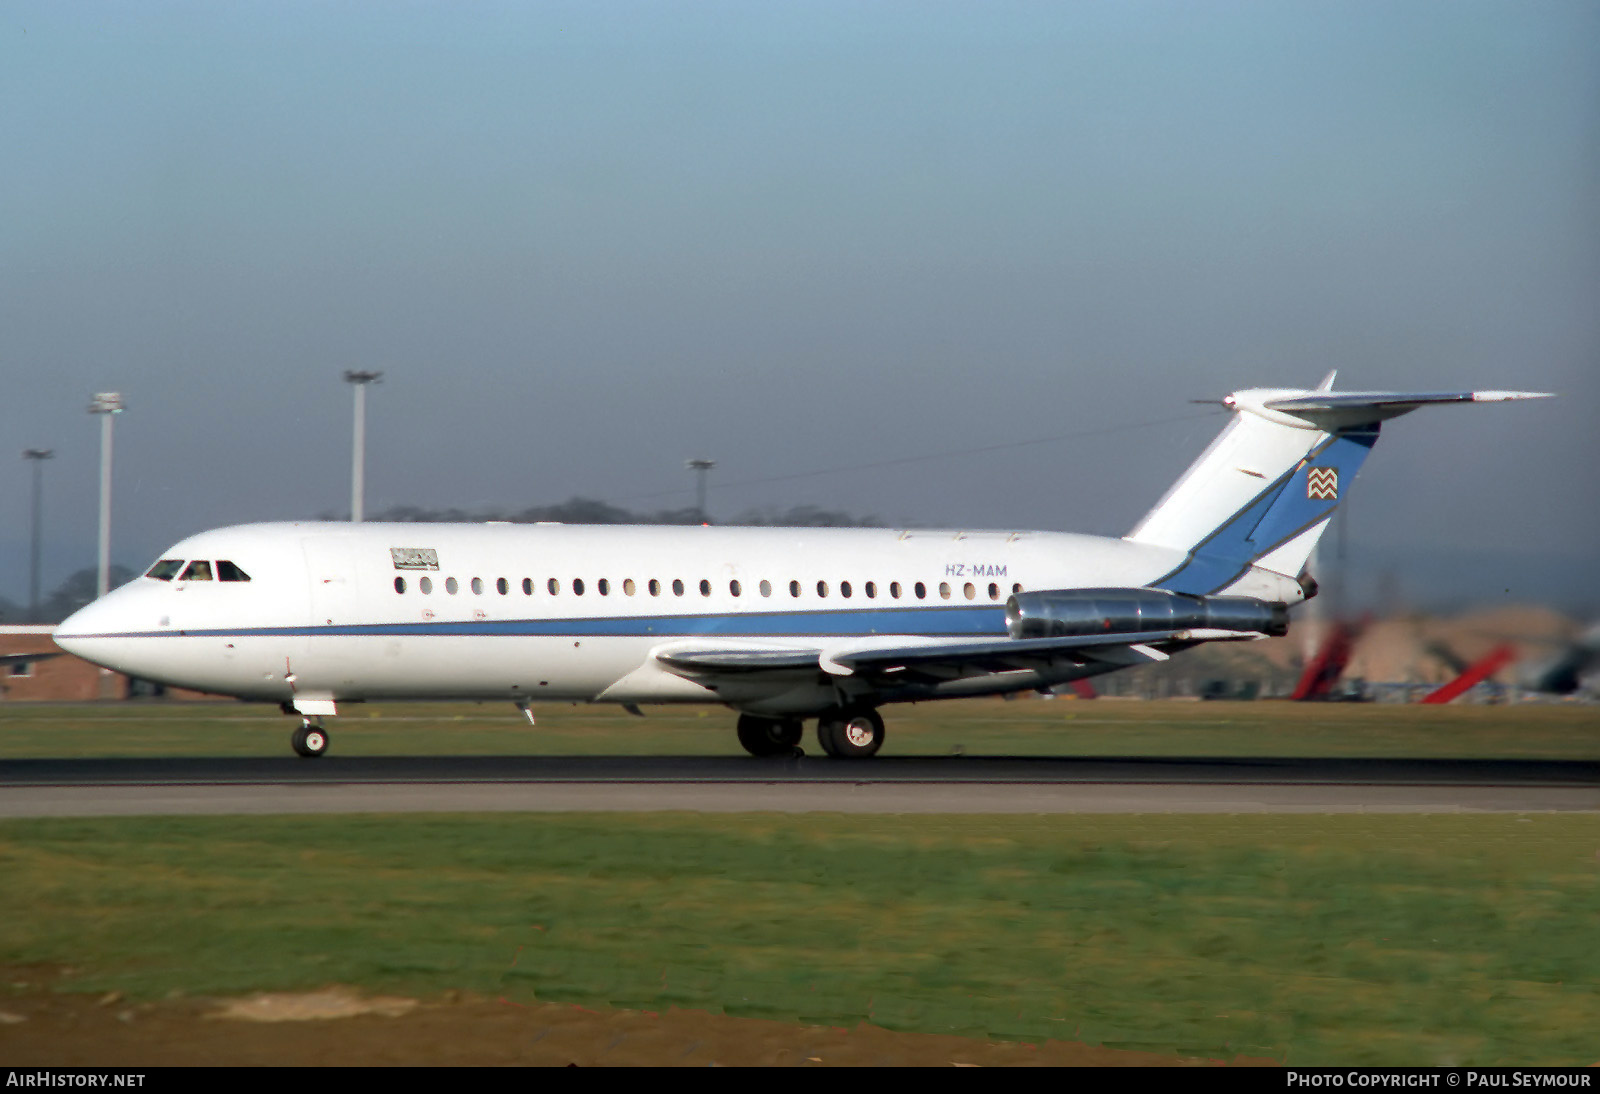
885, 784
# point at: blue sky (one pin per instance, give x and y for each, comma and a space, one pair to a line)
587, 241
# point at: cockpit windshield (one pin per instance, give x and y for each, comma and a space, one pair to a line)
166, 569
200, 569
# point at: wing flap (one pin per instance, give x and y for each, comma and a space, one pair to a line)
1008, 654
722, 659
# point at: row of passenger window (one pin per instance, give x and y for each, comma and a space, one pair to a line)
845, 589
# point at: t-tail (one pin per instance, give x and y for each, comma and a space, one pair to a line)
1249, 511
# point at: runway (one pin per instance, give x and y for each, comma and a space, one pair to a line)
929, 784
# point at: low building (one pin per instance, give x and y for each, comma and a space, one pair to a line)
33, 667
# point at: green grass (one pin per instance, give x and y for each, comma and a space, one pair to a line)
1063, 727
1316, 940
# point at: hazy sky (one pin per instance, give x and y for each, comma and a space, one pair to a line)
585, 241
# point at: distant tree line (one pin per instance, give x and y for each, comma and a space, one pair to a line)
66, 598
579, 510
79, 589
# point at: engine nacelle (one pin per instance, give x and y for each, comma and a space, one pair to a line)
1070, 613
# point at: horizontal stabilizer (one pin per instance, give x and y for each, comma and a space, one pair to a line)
1247, 514
1342, 409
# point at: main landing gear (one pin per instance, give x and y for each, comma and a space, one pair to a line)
848, 734
310, 740
769, 736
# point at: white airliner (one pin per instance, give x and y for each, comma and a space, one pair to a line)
779, 624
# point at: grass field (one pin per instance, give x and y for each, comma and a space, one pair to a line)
1062, 727
1398, 939
1334, 940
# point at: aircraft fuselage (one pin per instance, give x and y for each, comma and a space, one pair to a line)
351, 612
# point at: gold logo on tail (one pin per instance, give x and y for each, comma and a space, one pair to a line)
1322, 483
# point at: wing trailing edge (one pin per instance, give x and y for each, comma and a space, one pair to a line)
979, 656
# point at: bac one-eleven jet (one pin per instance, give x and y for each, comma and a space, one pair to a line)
778, 624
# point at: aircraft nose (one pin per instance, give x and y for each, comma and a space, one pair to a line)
94, 632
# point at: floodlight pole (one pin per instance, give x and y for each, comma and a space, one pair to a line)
107, 404
700, 467
36, 456
358, 453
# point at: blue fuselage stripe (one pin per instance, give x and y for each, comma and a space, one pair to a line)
931, 621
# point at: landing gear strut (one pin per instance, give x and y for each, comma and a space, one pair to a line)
850, 734
769, 736
310, 740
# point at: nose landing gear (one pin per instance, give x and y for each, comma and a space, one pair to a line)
310, 740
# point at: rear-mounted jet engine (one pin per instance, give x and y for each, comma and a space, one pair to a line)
1077, 612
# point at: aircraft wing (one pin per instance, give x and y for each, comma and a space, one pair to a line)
893, 655
25, 658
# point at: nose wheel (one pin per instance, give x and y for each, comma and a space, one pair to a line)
310, 740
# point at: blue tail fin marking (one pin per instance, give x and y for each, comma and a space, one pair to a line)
1298, 500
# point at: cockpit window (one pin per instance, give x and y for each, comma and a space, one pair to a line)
227, 571
166, 569
199, 570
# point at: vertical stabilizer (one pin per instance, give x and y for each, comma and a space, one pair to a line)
1262, 493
